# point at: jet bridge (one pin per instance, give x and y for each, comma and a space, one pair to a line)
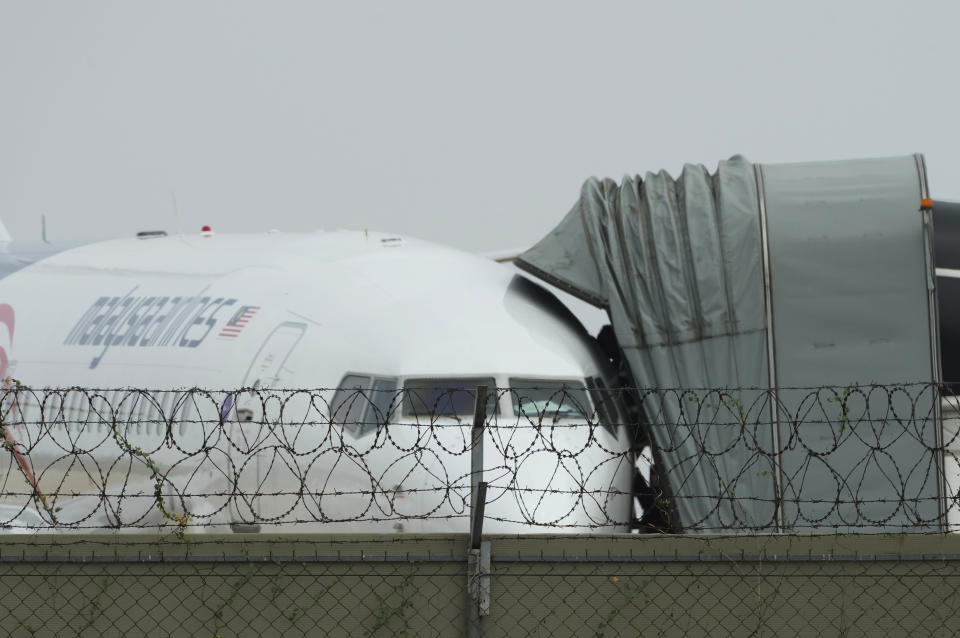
769, 280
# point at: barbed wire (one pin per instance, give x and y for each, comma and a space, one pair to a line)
557, 458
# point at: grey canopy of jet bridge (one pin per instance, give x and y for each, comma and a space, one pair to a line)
781, 276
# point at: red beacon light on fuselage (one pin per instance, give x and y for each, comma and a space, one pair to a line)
206, 231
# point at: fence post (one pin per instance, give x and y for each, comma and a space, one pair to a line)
478, 551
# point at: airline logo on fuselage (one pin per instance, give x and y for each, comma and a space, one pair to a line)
156, 321
240, 318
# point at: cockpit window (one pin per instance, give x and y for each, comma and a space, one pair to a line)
446, 397
363, 403
350, 402
383, 396
543, 399
605, 401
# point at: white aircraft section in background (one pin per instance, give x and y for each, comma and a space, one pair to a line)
307, 310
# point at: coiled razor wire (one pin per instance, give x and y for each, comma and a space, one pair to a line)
869, 457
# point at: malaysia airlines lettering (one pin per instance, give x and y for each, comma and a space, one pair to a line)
177, 319
156, 321
137, 322
209, 321
77, 331
105, 305
140, 321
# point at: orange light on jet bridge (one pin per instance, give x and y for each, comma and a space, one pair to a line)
926, 204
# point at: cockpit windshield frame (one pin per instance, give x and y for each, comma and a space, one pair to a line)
448, 397
550, 398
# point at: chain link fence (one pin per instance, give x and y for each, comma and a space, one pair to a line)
555, 586
444, 510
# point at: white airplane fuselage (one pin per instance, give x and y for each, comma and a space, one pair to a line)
292, 311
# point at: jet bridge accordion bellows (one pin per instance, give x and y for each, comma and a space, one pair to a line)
763, 275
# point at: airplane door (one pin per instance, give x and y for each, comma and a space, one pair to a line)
267, 367
251, 440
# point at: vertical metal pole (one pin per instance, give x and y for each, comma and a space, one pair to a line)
476, 448
478, 552
774, 387
933, 312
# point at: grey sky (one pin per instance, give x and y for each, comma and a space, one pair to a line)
472, 125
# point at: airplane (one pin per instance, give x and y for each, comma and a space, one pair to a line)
381, 340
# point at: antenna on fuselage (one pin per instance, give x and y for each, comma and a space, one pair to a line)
43, 228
